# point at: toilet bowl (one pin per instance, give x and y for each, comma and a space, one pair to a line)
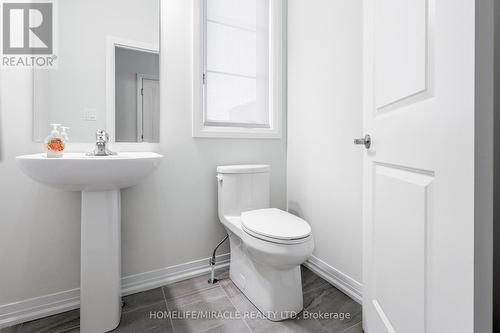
267, 245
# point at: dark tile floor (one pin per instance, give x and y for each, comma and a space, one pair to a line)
146, 311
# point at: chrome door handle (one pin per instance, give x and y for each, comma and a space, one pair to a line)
366, 141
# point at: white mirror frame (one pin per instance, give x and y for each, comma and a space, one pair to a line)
111, 44
110, 102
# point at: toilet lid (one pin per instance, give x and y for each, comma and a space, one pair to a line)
275, 223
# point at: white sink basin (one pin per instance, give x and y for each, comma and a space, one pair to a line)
100, 179
78, 172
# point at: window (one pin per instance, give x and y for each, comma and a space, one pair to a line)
238, 68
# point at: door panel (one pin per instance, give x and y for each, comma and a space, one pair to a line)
401, 210
401, 30
418, 196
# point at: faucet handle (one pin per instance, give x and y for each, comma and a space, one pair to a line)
102, 138
101, 135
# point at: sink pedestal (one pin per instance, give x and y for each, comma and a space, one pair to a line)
100, 279
100, 179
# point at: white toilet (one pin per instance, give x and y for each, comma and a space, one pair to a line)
267, 244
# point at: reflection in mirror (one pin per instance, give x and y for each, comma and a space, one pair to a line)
137, 102
107, 75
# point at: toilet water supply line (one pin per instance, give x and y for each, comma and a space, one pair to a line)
211, 262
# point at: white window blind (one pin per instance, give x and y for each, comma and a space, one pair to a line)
237, 63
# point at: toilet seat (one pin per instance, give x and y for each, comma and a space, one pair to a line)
275, 225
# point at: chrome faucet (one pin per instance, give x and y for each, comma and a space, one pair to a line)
101, 141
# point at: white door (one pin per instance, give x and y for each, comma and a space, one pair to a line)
148, 110
418, 173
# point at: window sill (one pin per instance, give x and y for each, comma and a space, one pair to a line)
236, 133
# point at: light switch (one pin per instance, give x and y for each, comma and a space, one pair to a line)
89, 114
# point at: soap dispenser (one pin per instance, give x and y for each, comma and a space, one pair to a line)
54, 143
64, 134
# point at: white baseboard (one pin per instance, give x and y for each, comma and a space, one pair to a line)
47, 305
144, 281
348, 285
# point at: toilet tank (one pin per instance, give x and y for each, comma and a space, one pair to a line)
242, 188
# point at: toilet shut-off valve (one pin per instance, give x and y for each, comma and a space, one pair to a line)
211, 262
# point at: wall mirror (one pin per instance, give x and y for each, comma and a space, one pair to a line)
107, 75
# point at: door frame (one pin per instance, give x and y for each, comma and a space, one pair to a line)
112, 43
140, 104
485, 295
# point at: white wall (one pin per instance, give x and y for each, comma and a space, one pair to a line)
169, 219
324, 116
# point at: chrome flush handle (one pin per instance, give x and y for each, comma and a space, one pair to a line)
366, 141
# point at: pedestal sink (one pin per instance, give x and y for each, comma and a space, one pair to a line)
100, 179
